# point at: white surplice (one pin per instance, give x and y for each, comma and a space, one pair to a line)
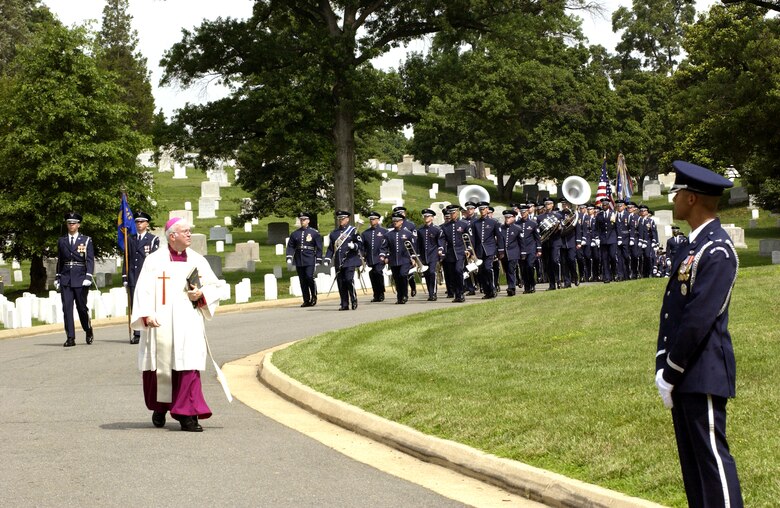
179, 343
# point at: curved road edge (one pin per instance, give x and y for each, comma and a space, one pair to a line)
527, 482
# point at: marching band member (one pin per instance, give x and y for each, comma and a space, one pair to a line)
568, 248
509, 237
530, 249
469, 216
304, 250
344, 253
633, 242
582, 213
623, 230
455, 252
412, 228
398, 256
484, 232
551, 249
605, 224
374, 252
430, 248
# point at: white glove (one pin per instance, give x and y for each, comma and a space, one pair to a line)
631, 243
620, 242
664, 389
86, 283
124, 283
351, 245
289, 260
326, 261
318, 262
56, 284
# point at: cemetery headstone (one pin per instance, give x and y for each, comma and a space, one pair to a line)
217, 233
738, 195
199, 244
185, 215
277, 232
179, 171
215, 262
768, 245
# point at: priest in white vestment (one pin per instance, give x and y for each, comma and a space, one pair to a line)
171, 316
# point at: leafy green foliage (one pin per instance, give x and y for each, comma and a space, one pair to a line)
66, 144
118, 42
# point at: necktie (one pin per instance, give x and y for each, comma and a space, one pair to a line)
71, 241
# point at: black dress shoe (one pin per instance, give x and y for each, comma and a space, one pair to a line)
459, 299
69, 342
375, 299
306, 304
190, 424
431, 298
313, 301
414, 292
135, 339
434, 298
343, 308
400, 302
382, 298
448, 295
510, 292
472, 293
158, 418
551, 288
90, 336
354, 305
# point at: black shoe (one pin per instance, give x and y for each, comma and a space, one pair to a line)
577, 282
487, 296
471, 293
190, 424
375, 299
431, 298
306, 304
606, 282
400, 302
354, 305
567, 286
449, 295
510, 292
135, 339
414, 292
405, 299
313, 301
532, 290
459, 299
158, 419
69, 342
90, 336
382, 298
343, 308
551, 288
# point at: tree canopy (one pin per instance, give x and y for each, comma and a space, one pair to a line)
66, 143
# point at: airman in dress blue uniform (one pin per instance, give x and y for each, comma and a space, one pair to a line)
694, 362
139, 246
412, 228
455, 252
344, 254
430, 247
623, 228
484, 232
648, 236
568, 246
75, 268
398, 256
509, 237
633, 239
607, 233
676, 243
551, 249
469, 216
304, 250
374, 253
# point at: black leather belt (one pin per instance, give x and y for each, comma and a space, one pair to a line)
304, 247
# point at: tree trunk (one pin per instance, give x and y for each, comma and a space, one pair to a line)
480, 170
344, 172
504, 189
37, 275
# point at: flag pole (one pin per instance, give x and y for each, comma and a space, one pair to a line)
125, 268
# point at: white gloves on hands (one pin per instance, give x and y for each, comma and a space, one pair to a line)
351, 245
86, 283
56, 285
664, 389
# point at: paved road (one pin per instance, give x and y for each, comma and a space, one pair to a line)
75, 431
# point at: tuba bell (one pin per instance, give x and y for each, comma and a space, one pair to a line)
575, 190
475, 193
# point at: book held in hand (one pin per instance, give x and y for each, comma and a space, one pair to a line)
193, 282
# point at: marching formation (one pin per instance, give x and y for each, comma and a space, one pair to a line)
537, 243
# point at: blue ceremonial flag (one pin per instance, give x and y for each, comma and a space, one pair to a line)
125, 223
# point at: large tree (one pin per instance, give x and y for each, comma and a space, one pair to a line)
18, 20
65, 144
118, 42
300, 69
521, 98
727, 98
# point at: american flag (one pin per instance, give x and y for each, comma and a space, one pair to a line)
605, 189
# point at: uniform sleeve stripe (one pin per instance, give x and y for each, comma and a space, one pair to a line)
660, 352
674, 365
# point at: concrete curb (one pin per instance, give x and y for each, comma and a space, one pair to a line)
536, 484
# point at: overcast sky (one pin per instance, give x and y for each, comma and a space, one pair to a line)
159, 24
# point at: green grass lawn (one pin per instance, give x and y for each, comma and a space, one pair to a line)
561, 381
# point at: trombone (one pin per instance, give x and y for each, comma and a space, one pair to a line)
418, 266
